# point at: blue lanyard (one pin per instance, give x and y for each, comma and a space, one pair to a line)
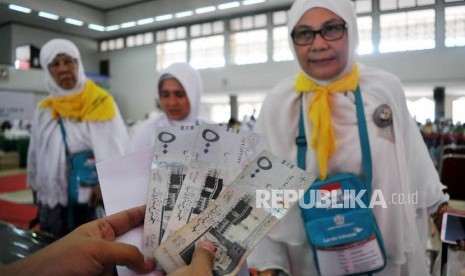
63, 134
301, 140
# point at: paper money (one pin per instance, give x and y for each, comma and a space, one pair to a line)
173, 151
233, 221
221, 153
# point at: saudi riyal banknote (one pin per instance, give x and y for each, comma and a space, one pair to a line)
234, 221
172, 154
221, 153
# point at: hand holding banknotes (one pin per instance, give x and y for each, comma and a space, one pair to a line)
91, 250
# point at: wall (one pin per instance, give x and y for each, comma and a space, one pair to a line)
132, 80
5, 48
133, 72
20, 35
425, 68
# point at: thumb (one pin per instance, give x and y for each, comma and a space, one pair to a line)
202, 259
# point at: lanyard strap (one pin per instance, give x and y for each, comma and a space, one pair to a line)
301, 140
63, 134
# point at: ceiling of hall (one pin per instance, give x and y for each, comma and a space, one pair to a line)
111, 13
106, 5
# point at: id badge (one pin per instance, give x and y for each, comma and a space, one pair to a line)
84, 193
353, 258
345, 239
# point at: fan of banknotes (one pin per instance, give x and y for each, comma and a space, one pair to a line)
204, 181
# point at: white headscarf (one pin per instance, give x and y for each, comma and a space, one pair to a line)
192, 84
48, 52
342, 8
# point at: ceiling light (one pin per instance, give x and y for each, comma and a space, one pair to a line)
128, 24
183, 14
145, 21
19, 8
205, 9
112, 28
96, 27
163, 17
229, 5
250, 2
48, 15
74, 21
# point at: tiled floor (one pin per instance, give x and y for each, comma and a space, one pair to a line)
16, 202
10, 172
21, 196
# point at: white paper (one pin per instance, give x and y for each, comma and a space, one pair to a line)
124, 183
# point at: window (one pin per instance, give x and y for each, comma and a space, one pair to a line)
104, 46
385, 5
247, 109
112, 44
280, 18
422, 109
455, 26
405, 31
458, 110
207, 45
207, 52
148, 38
281, 48
220, 113
411, 108
364, 34
139, 39
171, 52
248, 46
172, 34
131, 41
218, 109
171, 46
209, 28
248, 22
362, 6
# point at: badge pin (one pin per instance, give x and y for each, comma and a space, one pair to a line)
383, 116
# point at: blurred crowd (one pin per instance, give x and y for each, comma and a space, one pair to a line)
441, 133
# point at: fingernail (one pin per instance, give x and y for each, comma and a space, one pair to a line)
149, 263
208, 245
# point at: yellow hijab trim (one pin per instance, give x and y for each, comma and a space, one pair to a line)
319, 112
92, 104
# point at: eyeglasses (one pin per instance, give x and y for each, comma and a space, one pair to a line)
304, 35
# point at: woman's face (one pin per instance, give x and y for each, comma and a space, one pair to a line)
64, 71
322, 59
173, 100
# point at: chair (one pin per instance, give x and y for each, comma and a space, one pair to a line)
454, 149
452, 175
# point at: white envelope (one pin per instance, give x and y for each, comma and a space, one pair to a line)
124, 182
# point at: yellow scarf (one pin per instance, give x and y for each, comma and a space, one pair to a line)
92, 104
319, 112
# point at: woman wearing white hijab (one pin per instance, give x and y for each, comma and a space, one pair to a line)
179, 92
91, 121
323, 36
